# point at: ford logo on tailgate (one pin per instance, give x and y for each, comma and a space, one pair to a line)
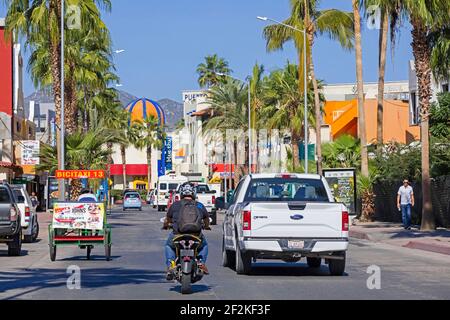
297, 217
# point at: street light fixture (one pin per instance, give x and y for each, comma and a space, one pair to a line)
249, 118
119, 51
305, 77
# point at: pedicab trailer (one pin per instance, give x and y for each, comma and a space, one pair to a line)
82, 224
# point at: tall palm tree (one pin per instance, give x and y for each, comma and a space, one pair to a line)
360, 89
229, 102
285, 106
305, 14
256, 103
425, 16
208, 71
153, 137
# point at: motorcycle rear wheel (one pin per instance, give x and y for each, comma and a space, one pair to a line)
186, 284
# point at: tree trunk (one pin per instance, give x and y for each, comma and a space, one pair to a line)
317, 107
70, 113
422, 53
55, 63
381, 70
124, 166
295, 151
360, 86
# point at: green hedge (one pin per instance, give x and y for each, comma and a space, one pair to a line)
117, 194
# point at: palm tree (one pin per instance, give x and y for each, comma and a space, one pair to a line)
153, 137
344, 152
285, 106
306, 15
208, 71
425, 16
130, 136
257, 101
229, 102
360, 88
35, 18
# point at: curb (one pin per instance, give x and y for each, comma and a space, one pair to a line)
358, 235
428, 247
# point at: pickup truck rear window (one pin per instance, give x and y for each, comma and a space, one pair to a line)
18, 194
201, 189
285, 190
4, 196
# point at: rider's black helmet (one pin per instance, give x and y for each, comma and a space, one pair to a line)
84, 191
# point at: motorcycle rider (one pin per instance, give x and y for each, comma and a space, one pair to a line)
187, 193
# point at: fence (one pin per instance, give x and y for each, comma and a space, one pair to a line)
386, 201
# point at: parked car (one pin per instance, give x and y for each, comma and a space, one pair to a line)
10, 221
132, 200
287, 217
29, 219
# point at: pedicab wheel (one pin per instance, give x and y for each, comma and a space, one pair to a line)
186, 284
108, 252
88, 252
52, 253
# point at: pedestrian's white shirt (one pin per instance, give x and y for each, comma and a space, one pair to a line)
405, 194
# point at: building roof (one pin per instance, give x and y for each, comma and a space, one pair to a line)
143, 108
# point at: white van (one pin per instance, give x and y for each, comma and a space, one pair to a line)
166, 183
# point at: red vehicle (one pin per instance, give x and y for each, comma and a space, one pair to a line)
172, 196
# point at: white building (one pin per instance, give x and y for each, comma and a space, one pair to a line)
393, 90
436, 86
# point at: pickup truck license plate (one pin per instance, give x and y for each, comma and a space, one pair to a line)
296, 244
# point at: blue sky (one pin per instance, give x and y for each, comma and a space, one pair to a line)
166, 40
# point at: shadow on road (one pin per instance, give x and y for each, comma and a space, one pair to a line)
195, 288
31, 280
4, 253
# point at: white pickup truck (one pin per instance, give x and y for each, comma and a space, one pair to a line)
287, 217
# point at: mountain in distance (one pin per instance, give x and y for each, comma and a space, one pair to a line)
172, 109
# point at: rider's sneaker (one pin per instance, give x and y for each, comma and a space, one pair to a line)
170, 275
203, 268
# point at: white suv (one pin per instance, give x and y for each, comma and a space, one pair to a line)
29, 219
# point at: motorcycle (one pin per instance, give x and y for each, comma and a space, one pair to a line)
187, 269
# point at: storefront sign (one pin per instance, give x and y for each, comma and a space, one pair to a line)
168, 147
78, 174
30, 152
342, 183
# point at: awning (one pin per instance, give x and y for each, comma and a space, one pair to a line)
220, 167
131, 169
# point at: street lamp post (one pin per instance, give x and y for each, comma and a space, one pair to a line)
62, 185
305, 78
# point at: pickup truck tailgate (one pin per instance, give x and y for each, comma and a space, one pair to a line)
296, 220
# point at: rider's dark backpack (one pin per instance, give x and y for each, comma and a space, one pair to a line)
190, 220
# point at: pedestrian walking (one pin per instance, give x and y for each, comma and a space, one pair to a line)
405, 200
34, 200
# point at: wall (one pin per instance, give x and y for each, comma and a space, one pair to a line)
6, 74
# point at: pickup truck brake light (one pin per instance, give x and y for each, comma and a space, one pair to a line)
286, 176
13, 214
246, 220
213, 200
344, 221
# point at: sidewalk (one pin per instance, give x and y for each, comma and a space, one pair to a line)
393, 233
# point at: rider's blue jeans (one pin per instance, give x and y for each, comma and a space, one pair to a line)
170, 250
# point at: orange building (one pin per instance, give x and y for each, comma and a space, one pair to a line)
342, 117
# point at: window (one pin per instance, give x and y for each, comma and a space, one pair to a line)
202, 188
445, 88
18, 194
236, 192
163, 186
282, 190
414, 110
173, 186
4, 196
132, 196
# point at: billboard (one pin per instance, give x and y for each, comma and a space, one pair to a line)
342, 183
168, 155
71, 215
30, 152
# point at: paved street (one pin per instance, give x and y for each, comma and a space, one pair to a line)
137, 270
